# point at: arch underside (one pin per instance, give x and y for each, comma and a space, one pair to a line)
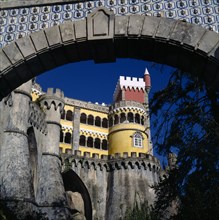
103, 37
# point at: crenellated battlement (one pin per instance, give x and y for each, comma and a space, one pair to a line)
112, 162
128, 83
52, 97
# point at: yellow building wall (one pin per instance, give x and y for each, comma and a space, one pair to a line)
121, 139
93, 151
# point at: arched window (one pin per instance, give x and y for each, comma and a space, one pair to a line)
116, 120
98, 121
61, 136
142, 120
110, 122
90, 142
69, 115
104, 144
105, 123
83, 118
82, 141
138, 140
90, 120
122, 117
130, 117
97, 143
137, 118
68, 138
63, 114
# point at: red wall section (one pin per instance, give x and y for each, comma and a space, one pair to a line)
134, 95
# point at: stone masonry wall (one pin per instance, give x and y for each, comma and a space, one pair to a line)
116, 184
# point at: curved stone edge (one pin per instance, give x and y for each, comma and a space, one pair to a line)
44, 50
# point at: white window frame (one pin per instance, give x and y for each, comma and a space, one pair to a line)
137, 140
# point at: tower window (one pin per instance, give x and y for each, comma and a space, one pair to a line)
130, 117
138, 140
97, 143
82, 141
69, 115
91, 120
61, 136
90, 142
122, 117
104, 144
105, 123
83, 118
137, 118
116, 120
63, 114
68, 138
98, 121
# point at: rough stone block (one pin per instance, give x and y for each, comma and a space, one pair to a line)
133, 154
4, 62
117, 155
208, 41
95, 156
150, 26
26, 46
142, 155
13, 53
125, 155
104, 157
67, 32
87, 154
80, 30
53, 36
165, 28
121, 26
135, 25
77, 152
39, 40
100, 24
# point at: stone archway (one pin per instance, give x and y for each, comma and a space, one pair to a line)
103, 37
76, 189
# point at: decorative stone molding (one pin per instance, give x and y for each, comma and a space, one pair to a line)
37, 118
148, 162
100, 24
86, 105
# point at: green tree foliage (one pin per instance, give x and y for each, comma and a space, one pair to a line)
140, 212
187, 123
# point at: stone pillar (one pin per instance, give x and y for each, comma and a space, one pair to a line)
76, 130
51, 193
16, 184
147, 80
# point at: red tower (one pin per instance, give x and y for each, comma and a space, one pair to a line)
132, 89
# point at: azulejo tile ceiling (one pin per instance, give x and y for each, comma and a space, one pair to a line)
18, 22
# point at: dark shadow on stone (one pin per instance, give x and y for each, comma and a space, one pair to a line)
72, 182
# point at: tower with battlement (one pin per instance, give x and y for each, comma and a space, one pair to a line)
81, 160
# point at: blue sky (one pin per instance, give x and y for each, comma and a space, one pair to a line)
88, 81
96, 82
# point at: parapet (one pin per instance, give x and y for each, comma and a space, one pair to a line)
112, 162
128, 82
127, 104
52, 97
56, 93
